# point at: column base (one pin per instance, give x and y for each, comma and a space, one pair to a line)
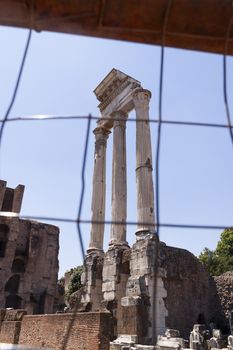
96, 251
143, 233
121, 244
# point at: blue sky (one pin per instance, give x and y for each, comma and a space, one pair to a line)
60, 75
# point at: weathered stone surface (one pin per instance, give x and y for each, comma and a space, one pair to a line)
171, 340
99, 189
92, 280
119, 185
11, 199
10, 331
15, 315
188, 289
29, 259
2, 314
140, 288
224, 286
144, 178
172, 333
161, 286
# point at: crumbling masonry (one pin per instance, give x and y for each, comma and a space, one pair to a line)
28, 257
122, 286
149, 286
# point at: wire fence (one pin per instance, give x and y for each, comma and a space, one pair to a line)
159, 122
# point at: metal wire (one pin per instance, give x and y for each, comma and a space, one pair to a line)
16, 86
83, 187
228, 116
160, 121
157, 179
41, 118
129, 223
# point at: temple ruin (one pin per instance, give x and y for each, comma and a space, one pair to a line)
149, 286
118, 94
28, 257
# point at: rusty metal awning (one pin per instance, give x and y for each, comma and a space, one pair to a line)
192, 24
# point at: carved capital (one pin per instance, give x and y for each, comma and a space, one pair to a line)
141, 98
101, 135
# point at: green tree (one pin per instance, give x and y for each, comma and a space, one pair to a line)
207, 257
219, 260
75, 280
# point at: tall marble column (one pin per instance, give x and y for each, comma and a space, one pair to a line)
119, 184
99, 189
144, 176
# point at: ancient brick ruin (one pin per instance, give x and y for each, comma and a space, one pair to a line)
28, 257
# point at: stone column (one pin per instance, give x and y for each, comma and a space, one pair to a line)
99, 189
119, 185
145, 190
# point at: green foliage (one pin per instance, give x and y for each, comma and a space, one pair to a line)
75, 280
219, 260
207, 257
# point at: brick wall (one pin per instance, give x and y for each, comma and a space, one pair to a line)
89, 331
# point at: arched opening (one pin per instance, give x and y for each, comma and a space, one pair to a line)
18, 266
4, 232
12, 284
13, 301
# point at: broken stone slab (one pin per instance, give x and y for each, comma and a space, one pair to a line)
15, 315
114, 346
172, 333
126, 339
143, 347
169, 343
130, 301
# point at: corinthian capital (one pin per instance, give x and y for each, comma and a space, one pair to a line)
141, 98
101, 134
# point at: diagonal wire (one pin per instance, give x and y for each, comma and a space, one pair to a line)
79, 232
154, 308
225, 77
157, 163
16, 86
83, 186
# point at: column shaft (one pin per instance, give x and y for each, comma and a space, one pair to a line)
144, 177
99, 190
119, 183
